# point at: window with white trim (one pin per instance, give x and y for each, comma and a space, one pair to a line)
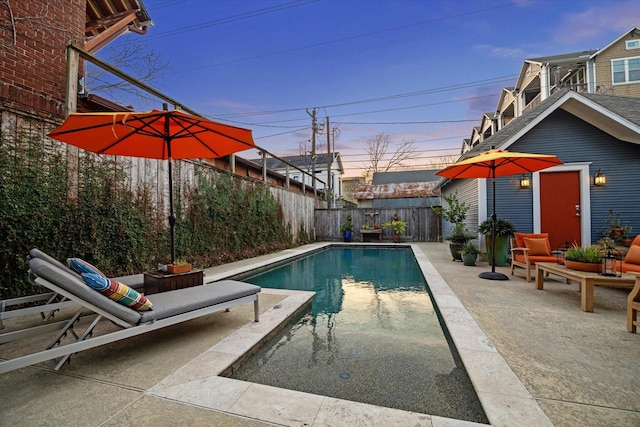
625, 70
633, 44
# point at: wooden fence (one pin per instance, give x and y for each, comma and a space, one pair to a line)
423, 225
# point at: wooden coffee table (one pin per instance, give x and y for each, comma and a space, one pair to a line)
587, 280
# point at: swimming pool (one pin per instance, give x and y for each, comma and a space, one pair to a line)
372, 335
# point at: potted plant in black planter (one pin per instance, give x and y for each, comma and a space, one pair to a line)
469, 253
347, 229
455, 213
504, 229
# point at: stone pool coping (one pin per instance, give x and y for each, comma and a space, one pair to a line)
504, 398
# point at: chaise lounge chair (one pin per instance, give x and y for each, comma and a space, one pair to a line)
169, 308
53, 301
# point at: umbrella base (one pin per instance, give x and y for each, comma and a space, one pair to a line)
491, 275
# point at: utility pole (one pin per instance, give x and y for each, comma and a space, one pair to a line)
329, 162
313, 150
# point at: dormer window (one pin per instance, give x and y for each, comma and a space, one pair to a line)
633, 44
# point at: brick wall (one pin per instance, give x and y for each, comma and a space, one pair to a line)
33, 40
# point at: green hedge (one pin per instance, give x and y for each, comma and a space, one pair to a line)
121, 231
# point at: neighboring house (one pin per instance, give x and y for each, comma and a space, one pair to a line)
349, 184
307, 164
589, 133
398, 190
611, 70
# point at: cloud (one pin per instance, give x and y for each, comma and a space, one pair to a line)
501, 52
595, 22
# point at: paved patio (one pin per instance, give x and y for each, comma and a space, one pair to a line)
535, 359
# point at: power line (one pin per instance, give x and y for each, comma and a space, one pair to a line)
342, 39
465, 85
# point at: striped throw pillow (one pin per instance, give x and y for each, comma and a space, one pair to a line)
117, 291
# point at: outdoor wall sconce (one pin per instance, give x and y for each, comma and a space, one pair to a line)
600, 178
524, 181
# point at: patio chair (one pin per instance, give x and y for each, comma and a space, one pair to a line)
633, 305
631, 262
527, 249
169, 308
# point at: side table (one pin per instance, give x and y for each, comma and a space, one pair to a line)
160, 281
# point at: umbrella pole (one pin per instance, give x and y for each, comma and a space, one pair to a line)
492, 275
172, 218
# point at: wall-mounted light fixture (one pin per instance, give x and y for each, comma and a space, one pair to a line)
600, 178
524, 181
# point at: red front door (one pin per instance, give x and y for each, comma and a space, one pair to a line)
560, 207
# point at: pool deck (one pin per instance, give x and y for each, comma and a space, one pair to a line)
534, 357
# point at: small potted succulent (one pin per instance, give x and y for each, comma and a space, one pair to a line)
179, 266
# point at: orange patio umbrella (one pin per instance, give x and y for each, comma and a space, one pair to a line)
158, 134
491, 164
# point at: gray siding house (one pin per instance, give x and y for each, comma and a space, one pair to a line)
589, 133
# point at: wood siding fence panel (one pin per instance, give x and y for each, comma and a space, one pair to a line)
423, 225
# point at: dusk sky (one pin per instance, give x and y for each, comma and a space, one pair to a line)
423, 70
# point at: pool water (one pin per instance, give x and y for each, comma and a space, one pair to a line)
372, 336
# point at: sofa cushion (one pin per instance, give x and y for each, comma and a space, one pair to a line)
537, 246
633, 255
117, 291
520, 238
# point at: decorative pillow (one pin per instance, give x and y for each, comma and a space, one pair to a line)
80, 266
537, 247
117, 291
633, 256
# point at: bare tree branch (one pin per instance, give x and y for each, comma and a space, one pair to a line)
377, 149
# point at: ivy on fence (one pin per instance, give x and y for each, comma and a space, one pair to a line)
219, 219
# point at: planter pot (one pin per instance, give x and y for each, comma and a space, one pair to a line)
455, 249
177, 269
346, 235
583, 266
396, 238
502, 249
469, 259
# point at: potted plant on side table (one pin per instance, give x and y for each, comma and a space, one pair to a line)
178, 266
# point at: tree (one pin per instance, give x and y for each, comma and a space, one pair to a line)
379, 161
132, 58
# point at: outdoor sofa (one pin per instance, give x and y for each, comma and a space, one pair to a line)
168, 308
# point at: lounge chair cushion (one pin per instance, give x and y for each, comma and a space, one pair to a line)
537, 247
171, 303
633, 255
72, 283
80, 266
117, 291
